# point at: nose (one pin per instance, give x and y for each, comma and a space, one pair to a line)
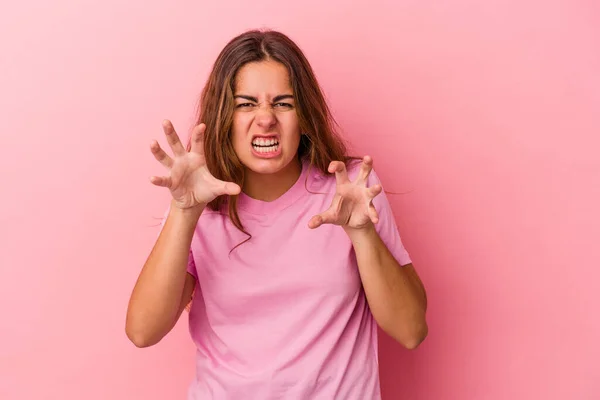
265, 118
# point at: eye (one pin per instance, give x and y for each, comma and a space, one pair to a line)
244, 105
283, 105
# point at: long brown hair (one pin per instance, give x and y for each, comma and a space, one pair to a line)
320, 143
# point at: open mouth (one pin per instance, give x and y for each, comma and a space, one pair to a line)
265, 145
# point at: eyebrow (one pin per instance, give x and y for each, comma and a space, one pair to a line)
254, 99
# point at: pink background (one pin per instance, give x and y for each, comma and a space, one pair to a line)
487, 114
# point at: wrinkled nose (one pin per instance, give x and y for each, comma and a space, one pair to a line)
265, 118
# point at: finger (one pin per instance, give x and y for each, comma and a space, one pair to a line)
198, 139
339, 168
326, 217
163, 181
374, 190
230, 188
160, 154
373, 214
365, 169
173, 139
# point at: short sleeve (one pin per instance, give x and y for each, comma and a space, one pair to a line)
386, 226
191, 264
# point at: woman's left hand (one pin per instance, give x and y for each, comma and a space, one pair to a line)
352, 206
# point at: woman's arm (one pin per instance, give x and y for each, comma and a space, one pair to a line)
395, 294
164, 287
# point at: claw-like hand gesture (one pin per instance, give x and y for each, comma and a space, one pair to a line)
188, 179
352, 205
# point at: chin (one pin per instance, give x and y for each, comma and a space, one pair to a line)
266, 165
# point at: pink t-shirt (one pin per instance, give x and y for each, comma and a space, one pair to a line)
284, 315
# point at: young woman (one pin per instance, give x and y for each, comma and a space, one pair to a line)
287, 245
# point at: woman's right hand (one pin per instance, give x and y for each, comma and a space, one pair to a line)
188, 179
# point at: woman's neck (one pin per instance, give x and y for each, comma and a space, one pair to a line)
269, 187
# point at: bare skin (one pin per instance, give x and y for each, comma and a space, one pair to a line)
164, 287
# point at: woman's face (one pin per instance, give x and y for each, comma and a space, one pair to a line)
265, 131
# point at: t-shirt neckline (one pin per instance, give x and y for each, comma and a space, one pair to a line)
255, 206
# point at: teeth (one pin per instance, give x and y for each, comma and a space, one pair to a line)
265, 149
264, 142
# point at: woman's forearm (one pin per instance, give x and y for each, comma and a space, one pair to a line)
156, 298
397, 302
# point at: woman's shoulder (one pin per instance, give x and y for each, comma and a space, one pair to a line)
210, 217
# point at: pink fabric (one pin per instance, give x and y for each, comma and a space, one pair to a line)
284, 316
